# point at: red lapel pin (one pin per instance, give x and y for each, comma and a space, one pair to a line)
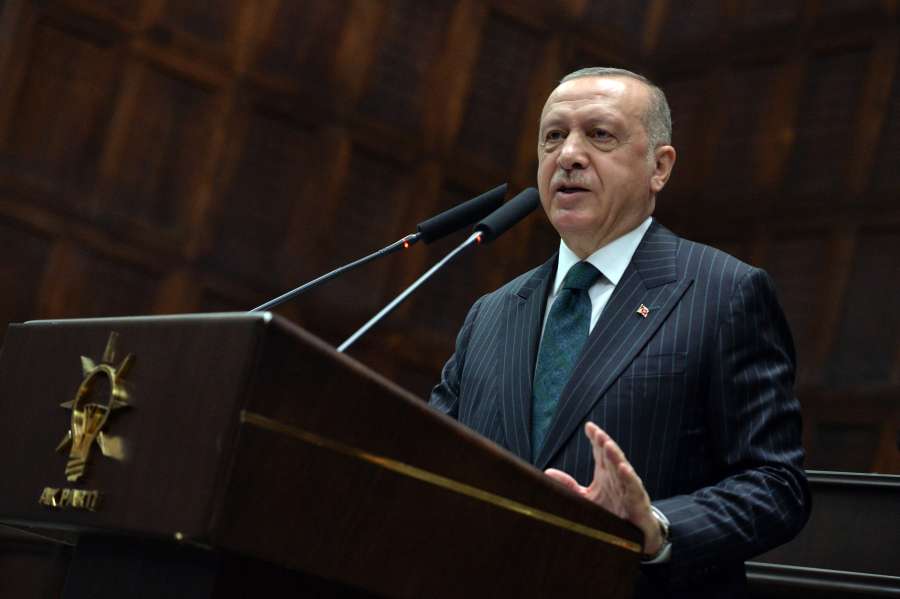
643, 311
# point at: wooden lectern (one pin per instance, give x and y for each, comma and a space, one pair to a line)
232, 455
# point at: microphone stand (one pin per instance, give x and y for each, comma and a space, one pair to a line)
397, 245
473, 239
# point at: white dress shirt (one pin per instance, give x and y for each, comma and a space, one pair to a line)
611, 260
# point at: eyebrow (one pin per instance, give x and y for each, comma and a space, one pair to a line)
601, 116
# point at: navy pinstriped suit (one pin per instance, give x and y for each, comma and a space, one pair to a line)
699, 395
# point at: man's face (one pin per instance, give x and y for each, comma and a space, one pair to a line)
594, 174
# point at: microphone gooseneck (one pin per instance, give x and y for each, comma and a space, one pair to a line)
487, 230
436, 227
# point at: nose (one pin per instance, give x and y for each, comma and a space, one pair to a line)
572, 155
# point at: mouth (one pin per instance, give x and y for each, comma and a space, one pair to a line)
570, 189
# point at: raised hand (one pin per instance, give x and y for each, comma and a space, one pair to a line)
616, 487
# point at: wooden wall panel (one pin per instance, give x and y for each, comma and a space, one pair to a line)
302, 40
263, 175
623, 18
163, 156
687, 101
82, 282
23, 256
825, 126
798, 269
490, 127
413, 37
213, 21
762, 14
63, 110
885, 179
690, 22
870, 327
159, 144
734, 161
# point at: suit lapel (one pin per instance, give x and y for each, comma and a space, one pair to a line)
651, 279
521, 331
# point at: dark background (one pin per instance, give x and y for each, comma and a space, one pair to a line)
165, 157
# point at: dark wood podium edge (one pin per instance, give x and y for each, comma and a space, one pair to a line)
626, 536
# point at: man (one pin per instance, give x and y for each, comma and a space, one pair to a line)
674, 358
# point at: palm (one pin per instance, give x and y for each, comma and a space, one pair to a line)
616, 486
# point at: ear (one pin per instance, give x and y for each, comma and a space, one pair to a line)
664, 161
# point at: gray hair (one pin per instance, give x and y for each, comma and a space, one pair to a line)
657, 118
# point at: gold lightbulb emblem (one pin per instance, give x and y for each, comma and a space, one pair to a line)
89, 416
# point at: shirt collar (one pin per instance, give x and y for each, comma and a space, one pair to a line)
611, 260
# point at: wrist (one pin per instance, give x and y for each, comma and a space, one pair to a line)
657, 544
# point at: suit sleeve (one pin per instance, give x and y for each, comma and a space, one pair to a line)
445, 395
761, 499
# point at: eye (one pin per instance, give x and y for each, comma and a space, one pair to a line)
601, 134
553, 135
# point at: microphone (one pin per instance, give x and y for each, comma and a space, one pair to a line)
454, 219
491, 227
503, 218
436, 227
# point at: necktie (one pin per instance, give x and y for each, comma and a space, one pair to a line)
565, 332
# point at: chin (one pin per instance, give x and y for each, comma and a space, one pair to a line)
574, 224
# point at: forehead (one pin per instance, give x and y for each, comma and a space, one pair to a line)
618, 96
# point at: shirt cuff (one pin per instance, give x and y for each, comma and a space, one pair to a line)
665, 552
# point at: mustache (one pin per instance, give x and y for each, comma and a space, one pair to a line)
562, 178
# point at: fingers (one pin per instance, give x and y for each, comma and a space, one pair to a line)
616, 485
565, 479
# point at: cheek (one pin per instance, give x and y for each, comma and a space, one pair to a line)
544, 171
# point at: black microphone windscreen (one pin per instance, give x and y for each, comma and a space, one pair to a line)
465, 214
509, 214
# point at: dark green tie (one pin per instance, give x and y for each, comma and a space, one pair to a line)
565, 332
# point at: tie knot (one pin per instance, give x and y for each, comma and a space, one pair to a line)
581, 276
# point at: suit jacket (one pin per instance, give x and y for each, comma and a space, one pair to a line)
698, 393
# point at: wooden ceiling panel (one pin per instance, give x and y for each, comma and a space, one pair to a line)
150, 165
23, 257
885, 182
63, 110
686, 99
732, 176
211, 21
500, 80
797, 265
689, 22
623, 21
302, 40
843, 8
763, 14
413, 37
259, 187
868, 334
127, 10
825, 129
